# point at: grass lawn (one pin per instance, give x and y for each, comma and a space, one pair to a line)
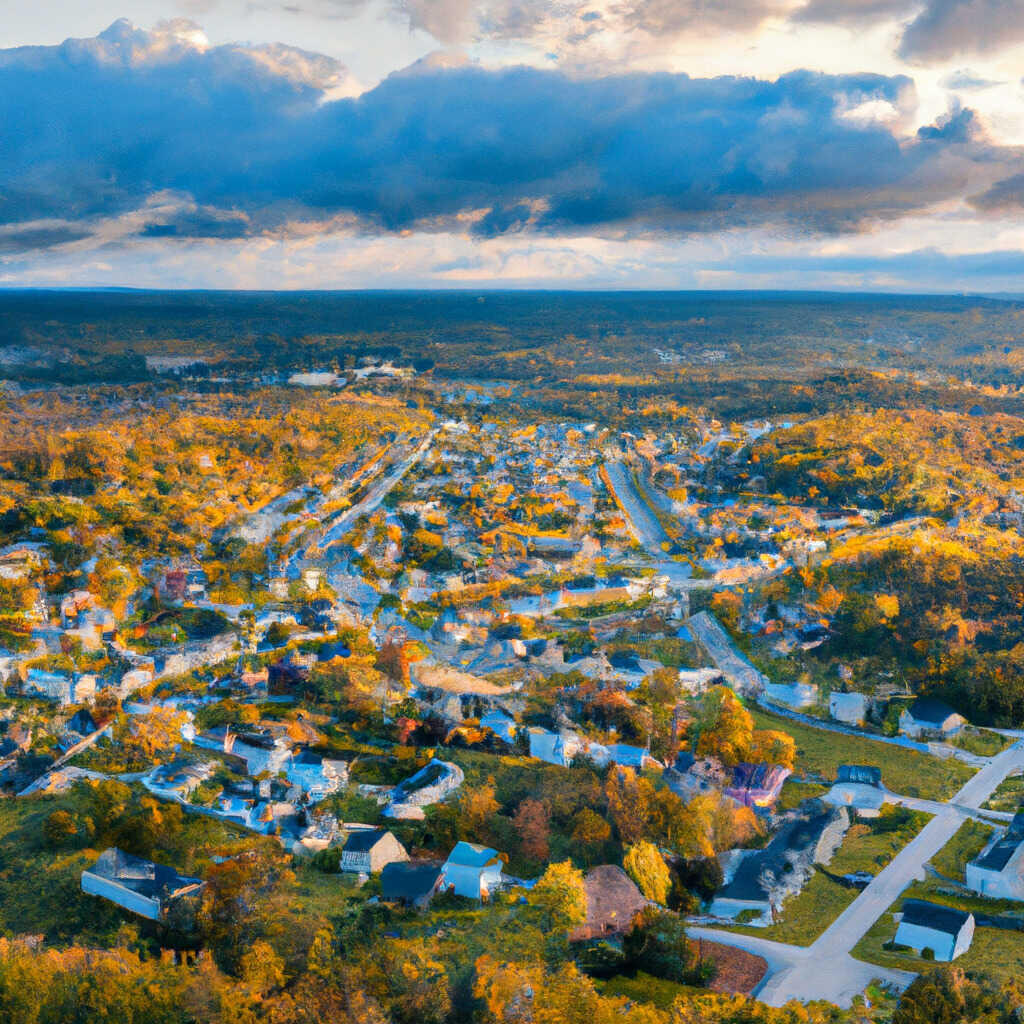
865, 848
983, 742
819, 752
1009, 794
995, 951
794, 793
968, 842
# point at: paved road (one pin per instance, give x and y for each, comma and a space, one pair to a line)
643, 522
826, 970
369, 503
708, 632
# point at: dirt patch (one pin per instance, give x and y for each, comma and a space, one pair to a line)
739, 972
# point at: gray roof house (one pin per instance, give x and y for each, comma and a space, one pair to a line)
998, 871
761, 880
411, 882
138, 885
369, 850
946, 932
930, 717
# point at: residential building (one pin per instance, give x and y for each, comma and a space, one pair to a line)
472, 870
849, 708
946, 932
138, 885
928, 717
411, 882
369, 850
998, 871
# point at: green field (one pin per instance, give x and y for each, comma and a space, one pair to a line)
819, 752
969, 841
1009, 794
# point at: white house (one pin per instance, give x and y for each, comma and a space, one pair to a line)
472, 870
850, 708
998, 871
946, 932
930, 717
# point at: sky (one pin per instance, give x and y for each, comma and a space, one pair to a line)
820, 144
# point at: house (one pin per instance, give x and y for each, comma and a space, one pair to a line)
369, 850
613, 900
65, 689
472, 870
946, 932
501, 725
138, 885
756, 785
998, 871
411, 882
16, 740
849, 708
928, 717
860, 787
759, 881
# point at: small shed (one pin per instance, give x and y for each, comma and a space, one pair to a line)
849, 708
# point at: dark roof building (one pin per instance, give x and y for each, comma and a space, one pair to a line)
412, 883
613, 900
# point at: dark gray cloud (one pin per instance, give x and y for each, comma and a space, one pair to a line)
1003, 197
175, 140
951, 28
672, 17
853, 12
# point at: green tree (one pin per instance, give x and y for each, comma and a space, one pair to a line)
646, 866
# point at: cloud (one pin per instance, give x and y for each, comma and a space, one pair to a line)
853, 12
950, 28
158, 135
672, 17
965, 79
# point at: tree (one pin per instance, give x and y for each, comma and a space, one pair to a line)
724, 726
657, 944
768, 746
590, 831
631, 803
560, 897
645, 865
59, 828
532, 821
144, 737
262, 968
476, 807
